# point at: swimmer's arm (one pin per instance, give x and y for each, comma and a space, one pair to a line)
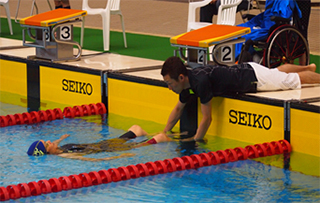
61, 138
80, 156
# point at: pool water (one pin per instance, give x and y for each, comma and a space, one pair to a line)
241, 181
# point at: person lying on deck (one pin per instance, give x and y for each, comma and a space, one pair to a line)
209, 81
77, 151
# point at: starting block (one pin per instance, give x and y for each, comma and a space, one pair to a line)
193, 46
53, 37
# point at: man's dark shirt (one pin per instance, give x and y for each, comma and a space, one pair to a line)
209, 81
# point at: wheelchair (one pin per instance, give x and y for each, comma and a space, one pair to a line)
284, 44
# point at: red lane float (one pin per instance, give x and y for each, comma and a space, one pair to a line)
43, 115
95, 178
93, 109
24, 190
86, 110
35, 118
19, 119
34, 188
52, 114
66, 183
4, 195
68, 112
27, 119
11, 120
105, 176
78, 111
75, 181
142, 170
3, 121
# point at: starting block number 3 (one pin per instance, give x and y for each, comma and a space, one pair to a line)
65, 33
226, 54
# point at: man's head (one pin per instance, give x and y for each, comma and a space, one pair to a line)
175, 74
37, 148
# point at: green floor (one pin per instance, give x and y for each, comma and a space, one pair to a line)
144, 46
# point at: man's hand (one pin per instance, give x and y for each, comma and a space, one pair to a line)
190, 139
204, 140
176, 135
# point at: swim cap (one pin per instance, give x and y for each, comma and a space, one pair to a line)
37, 149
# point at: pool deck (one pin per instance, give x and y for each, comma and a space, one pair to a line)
152, 20
134, 66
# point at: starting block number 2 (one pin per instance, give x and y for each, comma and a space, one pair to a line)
64, 34
226, 53
201, 55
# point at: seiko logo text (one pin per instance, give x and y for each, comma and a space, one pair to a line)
77, 87
250, 119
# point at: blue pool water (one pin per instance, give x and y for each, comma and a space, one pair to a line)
242, 181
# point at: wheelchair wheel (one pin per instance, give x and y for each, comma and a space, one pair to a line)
285, 45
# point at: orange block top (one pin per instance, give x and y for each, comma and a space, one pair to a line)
209, 35
53, 17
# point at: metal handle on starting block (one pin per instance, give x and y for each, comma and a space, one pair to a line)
218, 47
67, 42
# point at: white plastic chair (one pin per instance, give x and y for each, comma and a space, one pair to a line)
5, 4
192, 23
226, 13
112, 8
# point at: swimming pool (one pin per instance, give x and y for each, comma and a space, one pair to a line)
241, 181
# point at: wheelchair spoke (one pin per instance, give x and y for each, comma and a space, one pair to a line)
293, 49
278, 54
280, 46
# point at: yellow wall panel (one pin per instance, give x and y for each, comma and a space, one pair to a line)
305, 132
13, 77
246, 121
69, 87
13, 82
141, 101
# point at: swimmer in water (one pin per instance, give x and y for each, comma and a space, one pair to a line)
77, 151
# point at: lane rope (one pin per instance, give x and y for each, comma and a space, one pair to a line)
52, 114
143, 169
